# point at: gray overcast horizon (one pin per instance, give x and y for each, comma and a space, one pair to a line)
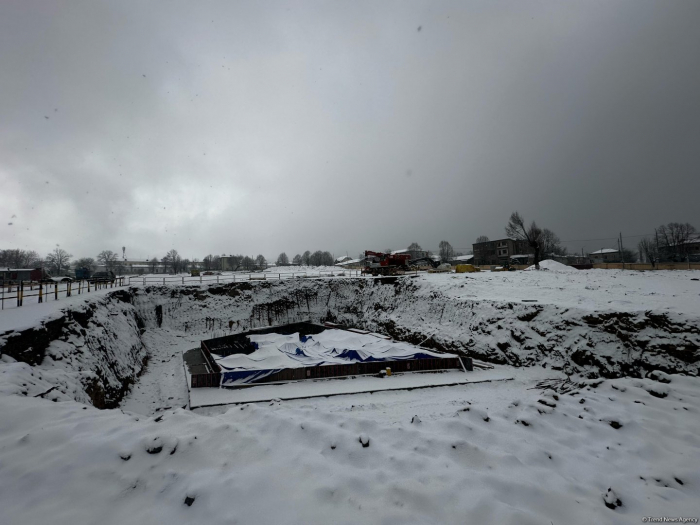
262, 127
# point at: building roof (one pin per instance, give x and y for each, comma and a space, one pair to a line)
462, 258
343, 258
497, 240
604, 250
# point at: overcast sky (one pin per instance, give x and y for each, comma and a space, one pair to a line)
261, 127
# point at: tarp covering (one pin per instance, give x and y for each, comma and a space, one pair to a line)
275, 352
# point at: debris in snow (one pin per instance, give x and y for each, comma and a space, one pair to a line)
415, 420
611, 500
658, 375
189, 500
364, 439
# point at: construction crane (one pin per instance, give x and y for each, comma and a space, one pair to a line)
378, 263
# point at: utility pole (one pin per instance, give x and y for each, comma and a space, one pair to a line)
622, 255
658, 252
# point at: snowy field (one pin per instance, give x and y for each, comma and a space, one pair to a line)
538, 449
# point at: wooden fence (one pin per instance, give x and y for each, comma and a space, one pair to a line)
408, 365
50, 291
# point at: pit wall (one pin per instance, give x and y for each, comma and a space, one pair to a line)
607, 344
91, 353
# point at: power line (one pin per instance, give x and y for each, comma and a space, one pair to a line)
609, 238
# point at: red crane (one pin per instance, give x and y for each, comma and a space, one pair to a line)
378, 263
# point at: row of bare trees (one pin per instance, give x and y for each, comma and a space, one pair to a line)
57, 261
317, 258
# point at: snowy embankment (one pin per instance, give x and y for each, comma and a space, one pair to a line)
90, 351
539, 449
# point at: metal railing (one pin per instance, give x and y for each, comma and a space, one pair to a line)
236, 277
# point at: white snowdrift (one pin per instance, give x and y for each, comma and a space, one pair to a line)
549, 264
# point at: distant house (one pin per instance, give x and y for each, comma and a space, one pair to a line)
343, 259
499, 251
522, 258
23, 274
461, 259
692, 248
352, 263
605, 255
415, 254
686, 251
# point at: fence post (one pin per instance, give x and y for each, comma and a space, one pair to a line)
3, 295
163, 281
55, 291
183, 279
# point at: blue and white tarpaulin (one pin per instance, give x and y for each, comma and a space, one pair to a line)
275, 352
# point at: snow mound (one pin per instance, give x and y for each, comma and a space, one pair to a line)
554, 266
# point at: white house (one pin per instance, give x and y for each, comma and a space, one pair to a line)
605, 255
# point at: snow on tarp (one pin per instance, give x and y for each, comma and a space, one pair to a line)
276, 352
554, 266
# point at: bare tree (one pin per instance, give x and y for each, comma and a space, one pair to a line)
58, 260
153, 264
550, 244
207, 262
282, 260
306, 258
107, 258
629, 256
649, 250
248, 263
85, 262
516, 229
297, 260
481, 238
414, 247
445, 251
173, 259
261, 262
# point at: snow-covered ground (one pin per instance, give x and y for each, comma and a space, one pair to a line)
541, 448
485, 453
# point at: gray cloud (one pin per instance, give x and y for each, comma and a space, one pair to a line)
262, 127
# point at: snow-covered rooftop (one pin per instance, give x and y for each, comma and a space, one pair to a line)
604, 250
